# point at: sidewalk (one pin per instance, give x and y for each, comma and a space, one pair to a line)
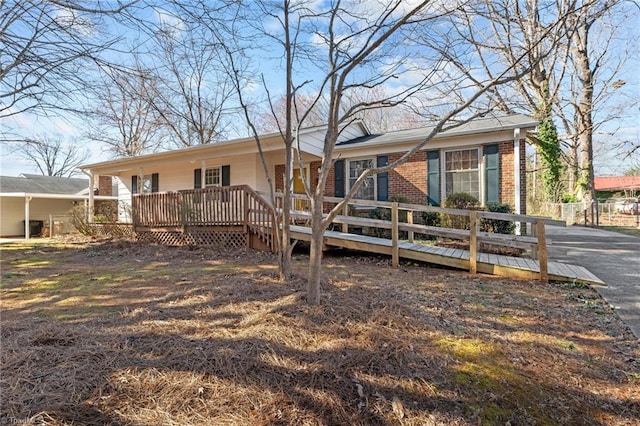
612, 257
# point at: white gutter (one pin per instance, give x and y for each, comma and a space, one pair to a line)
55, 196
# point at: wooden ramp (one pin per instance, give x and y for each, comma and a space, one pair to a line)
506, 266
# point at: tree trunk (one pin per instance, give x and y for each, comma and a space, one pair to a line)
584, 119
285, 246
315, 256
285, 243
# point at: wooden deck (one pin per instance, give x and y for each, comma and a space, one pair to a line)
506, 266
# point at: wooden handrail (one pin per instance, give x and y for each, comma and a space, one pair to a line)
537, 243
509, 217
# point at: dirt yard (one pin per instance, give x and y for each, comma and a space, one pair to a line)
127, 334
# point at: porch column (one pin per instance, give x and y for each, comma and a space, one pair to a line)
27, 200
91, 201
203, 173
516, 176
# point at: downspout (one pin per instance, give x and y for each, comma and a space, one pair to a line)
516, 177
27, 200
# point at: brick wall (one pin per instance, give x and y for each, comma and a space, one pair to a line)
507, 174
279, 177
507, 185
523, 177
409, 179
105, 185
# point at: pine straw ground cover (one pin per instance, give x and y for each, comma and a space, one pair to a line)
129, 334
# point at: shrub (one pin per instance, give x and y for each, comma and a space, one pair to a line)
570, 198
498, 226
384, 213
431, 218
78, 218
458, 200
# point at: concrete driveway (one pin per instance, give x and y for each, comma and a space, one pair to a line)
612, 257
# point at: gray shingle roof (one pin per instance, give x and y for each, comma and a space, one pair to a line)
43, 184
477, 126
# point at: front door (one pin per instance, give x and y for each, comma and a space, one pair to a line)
298, 188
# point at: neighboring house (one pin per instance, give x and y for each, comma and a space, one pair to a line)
27, 201
627, 185
485, 157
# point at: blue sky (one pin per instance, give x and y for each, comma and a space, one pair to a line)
607, 160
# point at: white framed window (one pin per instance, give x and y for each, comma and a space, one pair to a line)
368, 189
213, 177
147, 184
462, 170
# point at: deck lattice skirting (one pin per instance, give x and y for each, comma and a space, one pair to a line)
201, 236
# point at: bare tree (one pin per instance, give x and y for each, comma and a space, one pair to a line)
51, 156
269, 119
124, 120
365, 44
592, 80
192, 93
378, 118
353, 47
573, 82
46, 47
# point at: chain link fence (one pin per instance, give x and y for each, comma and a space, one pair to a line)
596, 213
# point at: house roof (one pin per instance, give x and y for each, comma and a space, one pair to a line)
613, 183
310, 141
28, 183
353, 135
482, 125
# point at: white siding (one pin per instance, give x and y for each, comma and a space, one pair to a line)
124, 200
12, 213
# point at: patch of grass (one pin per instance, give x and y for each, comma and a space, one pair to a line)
627, 230
30, 263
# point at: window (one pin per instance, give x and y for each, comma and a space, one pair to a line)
212, 177
147, 186
368, 189
462, 172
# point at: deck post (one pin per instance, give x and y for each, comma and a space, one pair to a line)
345, 211
542, 251
410, 221
534, 233
245, 213
473, 241
395, 252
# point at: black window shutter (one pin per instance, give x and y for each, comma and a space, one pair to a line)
226, 175
383, 179
134, 184
154, 183
492, 174
338, 184
197, 178
433, 178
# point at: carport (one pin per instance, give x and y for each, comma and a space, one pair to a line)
46, 199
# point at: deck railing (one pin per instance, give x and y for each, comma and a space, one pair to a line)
229, 206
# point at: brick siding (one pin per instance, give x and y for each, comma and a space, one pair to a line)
409, 180
105, 185
507, 174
